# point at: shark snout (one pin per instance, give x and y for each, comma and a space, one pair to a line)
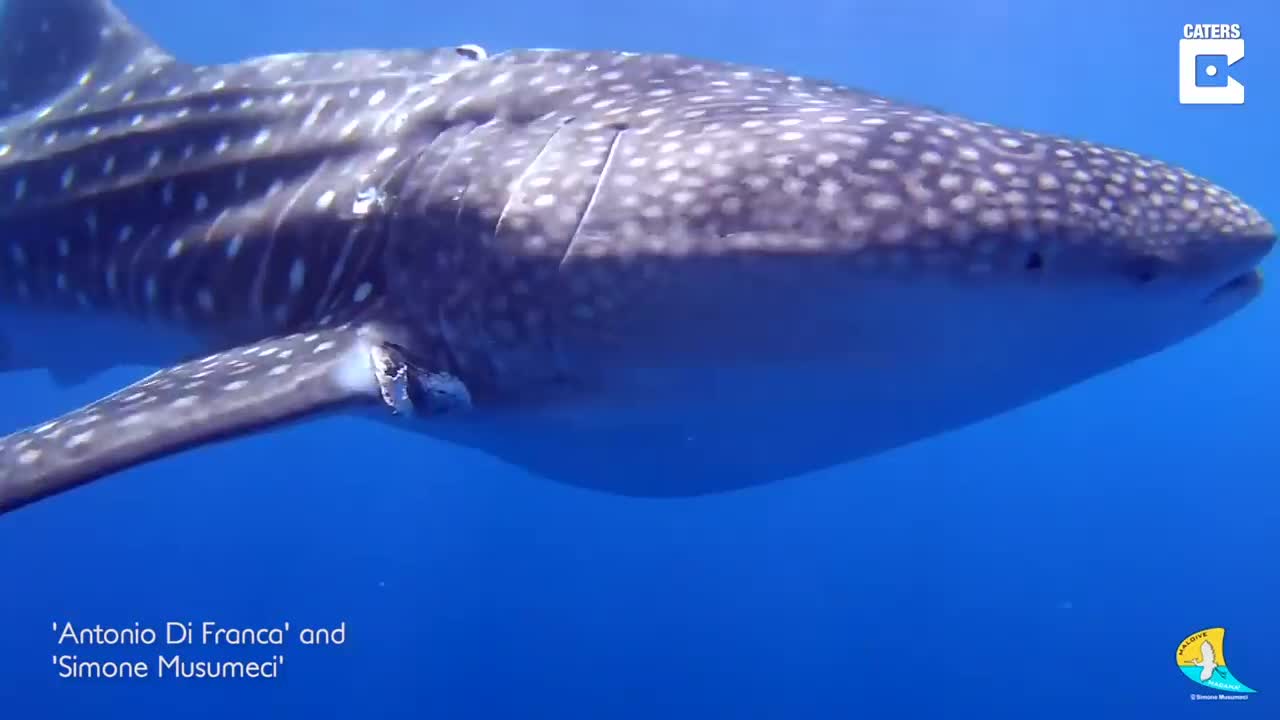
1242, 258
1207, 265
1168, 227
1213, 265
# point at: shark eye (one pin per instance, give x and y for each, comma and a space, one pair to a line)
471, 52
1035, 261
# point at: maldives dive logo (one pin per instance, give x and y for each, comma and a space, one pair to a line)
1203, 659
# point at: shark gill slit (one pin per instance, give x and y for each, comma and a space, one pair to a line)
453, 151
331, 296
184, 279
136, 281
518, 183
264, 264
595, 191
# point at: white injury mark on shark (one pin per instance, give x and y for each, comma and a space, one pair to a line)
647, 274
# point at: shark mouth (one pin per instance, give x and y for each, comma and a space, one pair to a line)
1246, 285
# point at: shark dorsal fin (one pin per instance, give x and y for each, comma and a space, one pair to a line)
50, 47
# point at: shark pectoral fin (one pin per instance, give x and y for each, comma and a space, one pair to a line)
198, 402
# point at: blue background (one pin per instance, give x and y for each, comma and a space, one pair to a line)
1045, 563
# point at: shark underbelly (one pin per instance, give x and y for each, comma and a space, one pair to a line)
682, 404
655, 432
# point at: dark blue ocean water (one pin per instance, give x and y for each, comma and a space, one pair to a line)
1044, 564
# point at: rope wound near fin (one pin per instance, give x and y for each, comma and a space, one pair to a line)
410, 390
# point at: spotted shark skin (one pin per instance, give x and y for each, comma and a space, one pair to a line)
645, 274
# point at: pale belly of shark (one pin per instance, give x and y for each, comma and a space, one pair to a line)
648, 275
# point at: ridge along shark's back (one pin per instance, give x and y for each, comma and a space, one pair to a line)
646, 274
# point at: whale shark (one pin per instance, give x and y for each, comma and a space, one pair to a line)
644, 274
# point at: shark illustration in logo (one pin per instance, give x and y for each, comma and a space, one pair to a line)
645, 274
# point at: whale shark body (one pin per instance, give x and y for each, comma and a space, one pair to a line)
645, 274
